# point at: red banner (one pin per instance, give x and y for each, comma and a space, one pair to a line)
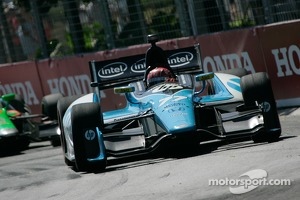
234, 49
281, 48
23, 79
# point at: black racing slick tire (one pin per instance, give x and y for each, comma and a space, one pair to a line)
257, 88
22, 144
62, 106
240, 72
49, 105
85, 118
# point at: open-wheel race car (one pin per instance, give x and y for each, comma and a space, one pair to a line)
16, 128
195, 107
19, 126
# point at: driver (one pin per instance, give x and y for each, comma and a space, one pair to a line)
158, 75
156, 58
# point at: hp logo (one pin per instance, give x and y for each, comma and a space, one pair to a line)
90, 135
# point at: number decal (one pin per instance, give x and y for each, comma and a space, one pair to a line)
174, 98
164, 87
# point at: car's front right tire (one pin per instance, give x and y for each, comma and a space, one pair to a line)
62, 106
86, 119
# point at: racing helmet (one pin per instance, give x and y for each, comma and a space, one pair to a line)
158, 75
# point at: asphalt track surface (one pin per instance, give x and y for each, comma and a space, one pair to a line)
40, 173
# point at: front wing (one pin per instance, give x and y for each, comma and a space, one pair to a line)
139, 133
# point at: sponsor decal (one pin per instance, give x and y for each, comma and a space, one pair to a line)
177, 109
180, 59
174, 105
287, 60
70, 85
178, 114
112, 70
139, 66
166, 86
90, 135
266, 107
173, 98
228, 61
25, 89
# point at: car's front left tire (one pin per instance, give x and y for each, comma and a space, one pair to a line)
257, 88
49, 105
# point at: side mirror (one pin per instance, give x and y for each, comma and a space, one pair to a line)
125, 89
8, 97
204, 77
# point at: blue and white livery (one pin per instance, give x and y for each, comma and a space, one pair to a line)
193, 108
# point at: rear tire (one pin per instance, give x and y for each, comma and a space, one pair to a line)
49, 105
257, 87
62, 106
55, 142
85, 118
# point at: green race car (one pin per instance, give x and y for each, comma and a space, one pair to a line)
18, 127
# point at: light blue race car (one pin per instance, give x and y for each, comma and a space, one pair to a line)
192, 108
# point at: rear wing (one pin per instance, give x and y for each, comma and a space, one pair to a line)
120, 71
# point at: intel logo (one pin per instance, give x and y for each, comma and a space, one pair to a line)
180, 59
112, 70
139, 66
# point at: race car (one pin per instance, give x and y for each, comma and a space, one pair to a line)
16, 127
19, 127
194, 107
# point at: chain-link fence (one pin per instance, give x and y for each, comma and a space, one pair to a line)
37, 29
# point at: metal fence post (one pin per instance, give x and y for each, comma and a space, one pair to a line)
40, 29
183, 18
191, 10
6, 44
107, 24
267, 11
76, 32
141, 17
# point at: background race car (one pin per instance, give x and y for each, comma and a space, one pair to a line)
194, 107
18, 127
